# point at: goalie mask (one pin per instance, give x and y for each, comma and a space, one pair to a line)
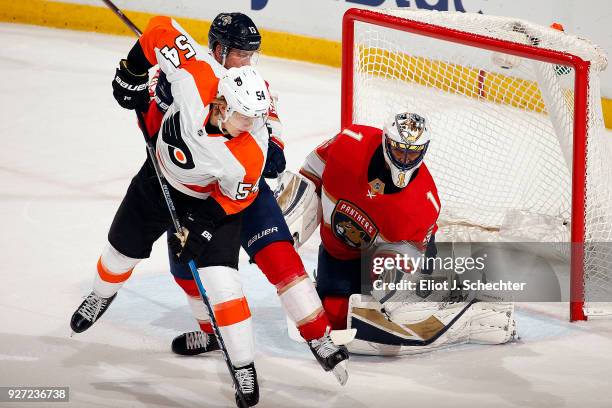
405, 141
247, 98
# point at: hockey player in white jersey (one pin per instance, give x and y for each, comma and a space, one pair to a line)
211, 148
234, 41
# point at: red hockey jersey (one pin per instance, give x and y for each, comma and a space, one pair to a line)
359, 211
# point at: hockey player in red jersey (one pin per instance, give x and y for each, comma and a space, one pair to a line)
381, 192
377, 193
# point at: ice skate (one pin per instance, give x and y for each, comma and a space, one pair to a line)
92, 308
194, 343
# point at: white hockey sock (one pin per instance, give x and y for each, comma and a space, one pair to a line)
113, 270
232, 313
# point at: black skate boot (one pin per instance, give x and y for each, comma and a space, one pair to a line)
330, 356
92, 308
247, 381
193, 343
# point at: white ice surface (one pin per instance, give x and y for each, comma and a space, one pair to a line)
68, 153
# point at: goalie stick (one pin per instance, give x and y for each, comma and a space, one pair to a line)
177, 225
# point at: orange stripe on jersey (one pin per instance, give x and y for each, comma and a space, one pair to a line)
248, 153
110, 277
200, 189
232, 312
229, 205
205, 79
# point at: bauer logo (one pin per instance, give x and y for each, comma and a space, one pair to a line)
261, 234
352, 225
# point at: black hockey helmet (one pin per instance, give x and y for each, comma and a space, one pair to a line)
234, 30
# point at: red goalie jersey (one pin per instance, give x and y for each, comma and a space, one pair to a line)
361, 205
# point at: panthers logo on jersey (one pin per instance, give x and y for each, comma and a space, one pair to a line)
352, 225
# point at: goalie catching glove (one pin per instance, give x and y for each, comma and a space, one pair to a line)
301, 206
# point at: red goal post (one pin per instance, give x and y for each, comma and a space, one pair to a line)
423, 28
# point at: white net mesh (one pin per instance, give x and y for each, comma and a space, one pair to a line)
502, 128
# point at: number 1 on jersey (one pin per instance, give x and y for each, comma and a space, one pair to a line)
431, 198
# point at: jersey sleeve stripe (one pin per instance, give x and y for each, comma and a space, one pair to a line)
314, 165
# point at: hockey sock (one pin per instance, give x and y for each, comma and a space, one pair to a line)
195, 303
231, 312
113, 270
336, 308
284, 269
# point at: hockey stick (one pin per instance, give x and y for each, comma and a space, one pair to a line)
123, 18
192, 265
177, 225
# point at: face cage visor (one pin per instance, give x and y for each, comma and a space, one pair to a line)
239, 57
405, 156
244, 123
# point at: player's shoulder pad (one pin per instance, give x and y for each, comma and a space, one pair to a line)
425, 174
159, 21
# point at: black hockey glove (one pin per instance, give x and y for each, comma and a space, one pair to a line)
163, 92
275, 161
198, 233
198, 227
130, 89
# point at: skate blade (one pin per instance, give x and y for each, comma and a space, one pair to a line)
340, 372
342, 337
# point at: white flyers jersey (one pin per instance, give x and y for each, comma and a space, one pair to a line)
194, 162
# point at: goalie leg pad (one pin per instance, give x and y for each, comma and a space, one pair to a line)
427, 326
113, 270
492, 323
231, 309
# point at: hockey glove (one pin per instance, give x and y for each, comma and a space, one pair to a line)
275, 161
197, 233
130, 89
163, 93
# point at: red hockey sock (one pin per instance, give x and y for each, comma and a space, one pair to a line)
315, 329
206, 327
336, 308
189, 286
280, 262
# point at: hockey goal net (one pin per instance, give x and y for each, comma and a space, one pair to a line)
518, 149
